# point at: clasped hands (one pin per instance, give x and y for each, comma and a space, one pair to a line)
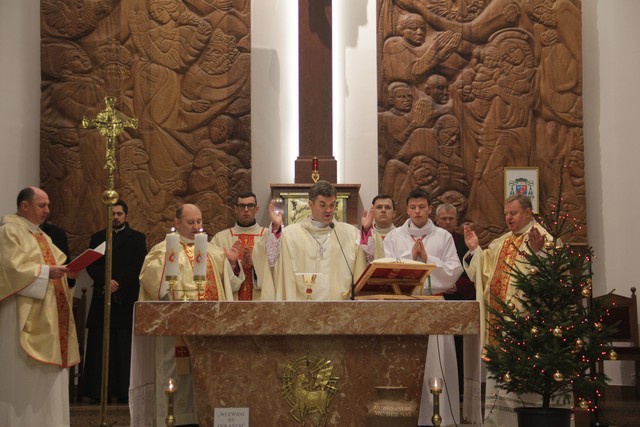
418, 252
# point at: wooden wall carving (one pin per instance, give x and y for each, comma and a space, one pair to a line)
467, 87
182, 67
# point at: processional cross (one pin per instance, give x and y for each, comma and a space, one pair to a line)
110, 123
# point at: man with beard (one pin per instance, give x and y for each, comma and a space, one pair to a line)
128, 252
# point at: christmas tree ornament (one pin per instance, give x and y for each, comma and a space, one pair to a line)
613, 355
579, 343
584, 404
507, 377
597, 326
536, 356
534, 331
533, 271
484, 356
558, 376
549, 245
557, 331
589, 282
586, 291
511, 306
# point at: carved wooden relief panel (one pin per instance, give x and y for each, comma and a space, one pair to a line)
182, 67
468, 87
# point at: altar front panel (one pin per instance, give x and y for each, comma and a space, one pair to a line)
243, 353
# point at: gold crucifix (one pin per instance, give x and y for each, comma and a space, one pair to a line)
110, 123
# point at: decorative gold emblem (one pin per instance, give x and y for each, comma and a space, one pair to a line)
308, 385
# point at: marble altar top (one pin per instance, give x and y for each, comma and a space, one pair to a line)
242, 318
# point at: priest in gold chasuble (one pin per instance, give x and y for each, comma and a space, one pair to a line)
38, 334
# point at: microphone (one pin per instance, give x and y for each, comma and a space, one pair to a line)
353, 283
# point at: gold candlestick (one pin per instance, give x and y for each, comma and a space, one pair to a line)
171, 285
435, 385
170, 391
200, 282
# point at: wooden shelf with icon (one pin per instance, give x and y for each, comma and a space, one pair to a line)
390, 279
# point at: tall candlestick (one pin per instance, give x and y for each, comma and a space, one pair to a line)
172, 264
200, 255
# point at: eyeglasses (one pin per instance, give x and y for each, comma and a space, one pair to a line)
243, 206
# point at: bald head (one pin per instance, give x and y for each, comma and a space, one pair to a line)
33, 205
437, 88
188, 220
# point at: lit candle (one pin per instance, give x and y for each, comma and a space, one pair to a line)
200, 255
435, 384
172, 264
314, 164
171, 387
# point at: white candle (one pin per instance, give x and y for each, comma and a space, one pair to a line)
172, 262
200, 255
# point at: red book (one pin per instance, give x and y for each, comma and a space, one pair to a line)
86, 258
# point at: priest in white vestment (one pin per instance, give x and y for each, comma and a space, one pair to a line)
316, 245
420, 240
38, 334
249, 238
155, 360
490, 270
376, 223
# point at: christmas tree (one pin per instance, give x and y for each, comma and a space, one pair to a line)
548, 338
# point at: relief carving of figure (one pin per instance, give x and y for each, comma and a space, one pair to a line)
166, 48
506, 136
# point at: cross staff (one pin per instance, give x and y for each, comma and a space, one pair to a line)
110, 123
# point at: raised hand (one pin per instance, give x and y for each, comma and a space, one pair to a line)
536, 239
470, 238
367, 219
276, 217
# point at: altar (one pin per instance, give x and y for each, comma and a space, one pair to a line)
264, 355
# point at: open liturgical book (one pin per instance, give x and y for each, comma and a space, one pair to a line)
388, 278
87, 257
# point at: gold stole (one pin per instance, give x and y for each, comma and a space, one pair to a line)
499, 285
62, 304
247, 243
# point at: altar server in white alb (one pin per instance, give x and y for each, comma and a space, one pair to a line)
318, 244
420, 240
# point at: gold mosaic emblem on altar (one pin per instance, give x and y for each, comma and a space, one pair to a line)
308, 385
